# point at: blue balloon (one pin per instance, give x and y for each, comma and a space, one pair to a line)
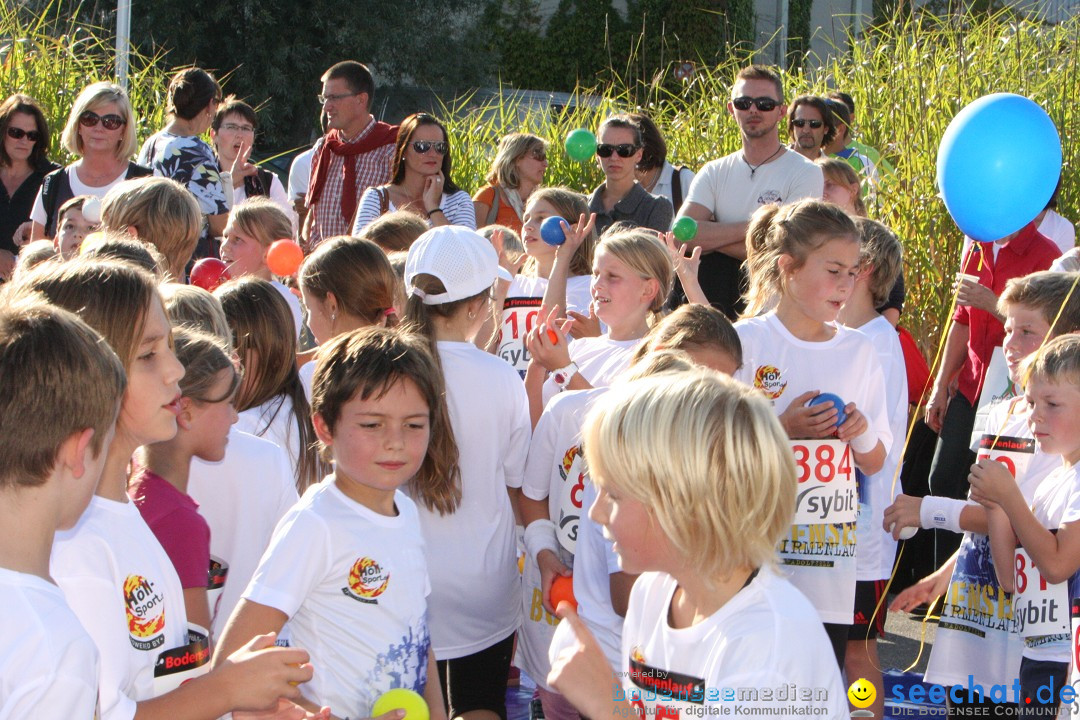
551, 230
998, 164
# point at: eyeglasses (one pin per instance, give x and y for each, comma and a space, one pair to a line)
538, 155
764, 104
422, 146
233, 127
802, 122
323, 99
18, 134
623, 150
110, 122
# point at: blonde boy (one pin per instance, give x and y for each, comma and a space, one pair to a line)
158, 211
53, 442
696, 483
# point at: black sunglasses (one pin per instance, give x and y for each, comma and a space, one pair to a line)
422, 146
764, 104
802, 122
18, 134
623, 150
110, 122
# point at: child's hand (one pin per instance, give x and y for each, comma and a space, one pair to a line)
550, 567
685, 265
924, 592
903, 513
855, 425
257, 675
552, 355
992, 484
584, 325
802, 421
287, 710
582, 673
575, 236
511, 263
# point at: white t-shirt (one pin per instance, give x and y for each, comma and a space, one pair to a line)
300, 174
275, 421
457, 208
307, 377
1060, 231
1056, 502
294, 305
1069, 262
242, 498
49, 666
523, 300
784, 367
78, 187
125, 591
877, 549
599, 361
472, 553
353, 583
594, 564
766, 639
723, 187
975, 634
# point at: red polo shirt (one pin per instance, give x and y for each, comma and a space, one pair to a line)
1026, 253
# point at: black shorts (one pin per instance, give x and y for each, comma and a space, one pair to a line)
477, 681
868, 594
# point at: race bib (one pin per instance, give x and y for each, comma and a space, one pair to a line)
827, 492
215, 584
1039, 608
519, 316
176, 666
1012, 452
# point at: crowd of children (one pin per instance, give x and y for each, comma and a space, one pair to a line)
284, 498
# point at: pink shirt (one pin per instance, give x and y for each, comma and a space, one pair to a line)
175, 521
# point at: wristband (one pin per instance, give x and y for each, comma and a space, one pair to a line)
863, 443
432, 212
563, 375
941, 513
540, 536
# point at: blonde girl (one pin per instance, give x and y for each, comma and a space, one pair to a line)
631, 280
807, 256
114, 573
271, 398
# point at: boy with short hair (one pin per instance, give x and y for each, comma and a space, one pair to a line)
881, 258
53, 457
158, 211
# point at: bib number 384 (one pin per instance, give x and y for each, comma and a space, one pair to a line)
826, 491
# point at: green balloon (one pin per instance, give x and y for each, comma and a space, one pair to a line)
580, 145
685, 229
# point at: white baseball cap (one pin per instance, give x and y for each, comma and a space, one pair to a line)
462, 259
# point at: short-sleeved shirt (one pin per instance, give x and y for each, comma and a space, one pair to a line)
1024, 254
732, 193
638, 208
191, 162
175, 521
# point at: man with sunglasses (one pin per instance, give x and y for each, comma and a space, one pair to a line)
728, 191
810, 126
355, 153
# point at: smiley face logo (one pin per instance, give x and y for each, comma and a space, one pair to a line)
862, 693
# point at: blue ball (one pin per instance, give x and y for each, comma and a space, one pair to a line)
998, 164
551, 230
839, 404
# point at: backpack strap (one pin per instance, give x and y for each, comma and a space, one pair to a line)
493, 212
55, 191
676, 187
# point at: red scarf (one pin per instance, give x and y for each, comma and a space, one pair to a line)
379, 135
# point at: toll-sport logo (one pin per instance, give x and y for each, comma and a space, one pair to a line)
367, 581
145, 613
768, 380
568, 461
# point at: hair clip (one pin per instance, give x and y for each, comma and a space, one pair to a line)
391, 311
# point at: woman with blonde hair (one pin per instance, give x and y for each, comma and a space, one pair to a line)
517, 170
101, 131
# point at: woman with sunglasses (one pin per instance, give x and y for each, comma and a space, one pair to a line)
179, 153
421, 182
621, 198
23, 165
101, 131
517, 170
655, 172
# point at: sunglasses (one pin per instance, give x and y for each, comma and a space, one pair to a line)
110, 122
801, 122
623, 150
538, 155
422, 146
764, 104
18, 134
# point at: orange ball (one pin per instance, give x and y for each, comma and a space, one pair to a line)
562, 590
284, 258
553, 337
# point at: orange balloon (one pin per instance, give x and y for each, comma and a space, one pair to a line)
562, 590
284, 258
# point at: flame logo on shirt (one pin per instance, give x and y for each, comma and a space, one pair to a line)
568, 460
769, 381
636, 655
145, 612
367, 579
